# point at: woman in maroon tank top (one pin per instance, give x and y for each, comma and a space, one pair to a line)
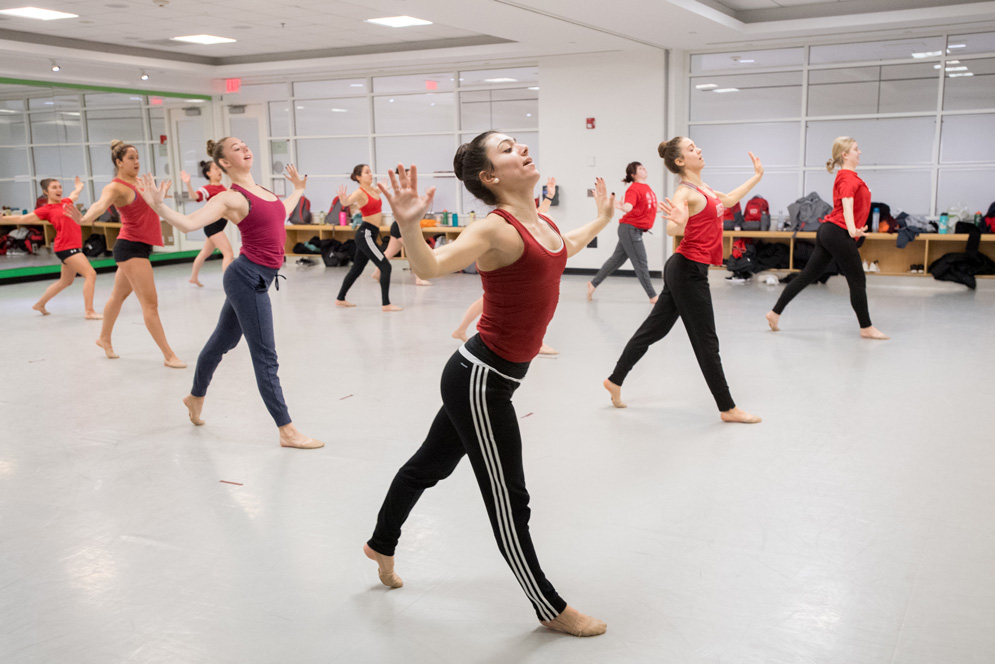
695, 213
520, 256
140, 232
247, 310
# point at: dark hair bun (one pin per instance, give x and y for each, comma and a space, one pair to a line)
458, 160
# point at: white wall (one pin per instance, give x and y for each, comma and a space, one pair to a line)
625, 93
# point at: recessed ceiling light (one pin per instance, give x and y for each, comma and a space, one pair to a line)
192, 101
936, 66
499, 80
961, 68
534, 88
965, 73
726, 90
926, 54
953, 62
706, 86
398, 21
203, 39
339, 110
746, 61
145, 76
299, 108
34, 12
357, 85
55, 66
957, 46
528, 115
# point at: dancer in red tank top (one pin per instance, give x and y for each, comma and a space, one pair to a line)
696, 213
520, 255
139, 233
247, 310
214, 236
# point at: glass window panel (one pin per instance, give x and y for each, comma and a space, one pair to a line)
13, 162
12, 104
324, 117
157, 122
160, 161
61, 127
965, 188
962, 93
779, 188
331, 155
101, 164
262, 93
279, 118
432, 154
104, 126
867, 90
741, 59
280, 156
967, 138
982, 42
321, 191
843, 98
345, 87
726, 146
490, 76
414, 83
55, 102
907, 190
112, 99
16, 195
756, 97
895, 49
59, 162
12, 128
446, 196
502, 109
885, 141
414, 113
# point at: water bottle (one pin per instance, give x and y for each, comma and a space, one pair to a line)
445, 217
978, 218
473, 216
765, 221
875, 220
343, 219
943, 222
780, 220
455, 219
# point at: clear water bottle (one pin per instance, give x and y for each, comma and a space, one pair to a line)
875, 220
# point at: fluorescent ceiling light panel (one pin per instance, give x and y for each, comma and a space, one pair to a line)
927, 54
203, 39
499, 80
534, 88
966, 73
398, 21
746, 62
35, 12
339, 110
706, 86
957, 46
961, 68
726, 90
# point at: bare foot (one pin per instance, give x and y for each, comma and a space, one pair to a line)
108, 351
376, 275
344, 303
590, 291
385, 567
575, 623
548, 350
616, 392
196, 282
93, 315
194, 406
291, 437
41, 307
772, 320
421, 282
654, 299
738, 415
459, 334
873, 333
391, 307
175, 363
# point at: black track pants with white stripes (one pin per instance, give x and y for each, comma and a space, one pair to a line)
478, 420
367, 250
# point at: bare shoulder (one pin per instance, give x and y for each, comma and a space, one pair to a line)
235, 203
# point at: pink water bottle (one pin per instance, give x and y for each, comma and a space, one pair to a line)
343, 219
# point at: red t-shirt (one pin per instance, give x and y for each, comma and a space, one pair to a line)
643, 201
209, 191
849, 185
68, 234
702, 241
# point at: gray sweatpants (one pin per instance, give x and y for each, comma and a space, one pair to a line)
630, 247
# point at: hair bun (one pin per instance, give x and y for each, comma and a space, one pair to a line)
458, 160
210, 146
116, 143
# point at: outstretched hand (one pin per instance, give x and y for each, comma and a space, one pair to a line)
676, 213
153, 194
407, 205
78, 184
605, 203
551, 187
70, 211
300, 183
758, 168
185, 177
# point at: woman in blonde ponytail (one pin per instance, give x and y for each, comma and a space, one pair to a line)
836, 239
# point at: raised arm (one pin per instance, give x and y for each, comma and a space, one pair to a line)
29, 218
194, 194
300, 184
347, 199
547, 200
107, 197
228, 204
579, 238
737, 194
74, 194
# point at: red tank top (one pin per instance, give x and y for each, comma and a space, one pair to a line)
67, 232
372, 207
139, 222
264, 234
702, 241
520, 299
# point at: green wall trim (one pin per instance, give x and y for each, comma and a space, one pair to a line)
55, 269
100, 88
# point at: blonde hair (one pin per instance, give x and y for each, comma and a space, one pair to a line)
841, 146
118, 150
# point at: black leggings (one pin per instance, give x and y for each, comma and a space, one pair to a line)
368, 250
478, 420
686, 296
832, 243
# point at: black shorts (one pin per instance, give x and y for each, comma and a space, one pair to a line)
395, 230
215, 228
66, 253
125, 250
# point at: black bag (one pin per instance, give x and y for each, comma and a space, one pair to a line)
95, 245
333, 254
301, 213
110, 215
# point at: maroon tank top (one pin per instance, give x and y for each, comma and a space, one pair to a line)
264, 234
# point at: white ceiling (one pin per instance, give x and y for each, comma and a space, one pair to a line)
113, 39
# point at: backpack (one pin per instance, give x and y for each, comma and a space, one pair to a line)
988, 226
95, 245
732, 217
335, 210
755, 208
110, 215
301, 213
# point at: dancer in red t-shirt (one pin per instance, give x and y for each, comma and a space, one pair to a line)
520, 256
213, 232
640, 210
68, 245
696, 213
837, 239
140, 231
